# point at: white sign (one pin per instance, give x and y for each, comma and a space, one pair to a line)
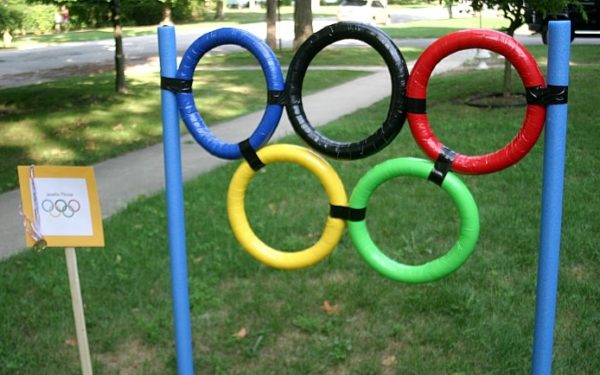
60, 206
63, 206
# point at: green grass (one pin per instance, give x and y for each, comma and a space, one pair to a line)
439, 28
477, 321
79, 36
417, 29
243, 16
232, 17
329, 56
81, 121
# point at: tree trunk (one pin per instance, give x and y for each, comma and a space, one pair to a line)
167, 14
302, 22
507, 85
272, 23
220, 13
120, 84
7, 39
448, 4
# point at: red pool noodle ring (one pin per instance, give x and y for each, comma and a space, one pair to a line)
527, 69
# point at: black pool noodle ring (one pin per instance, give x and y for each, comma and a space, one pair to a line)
396, 115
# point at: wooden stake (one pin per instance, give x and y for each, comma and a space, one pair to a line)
82, 340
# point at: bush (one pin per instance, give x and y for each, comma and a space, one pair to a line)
11, 19
89, 15
38, 19
141, 12
35, 19
188, 11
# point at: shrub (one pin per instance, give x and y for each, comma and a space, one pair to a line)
38, 19
187, 10
141, 12
11, 19
84, 15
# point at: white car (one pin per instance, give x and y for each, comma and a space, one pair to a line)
366, 11
237, 3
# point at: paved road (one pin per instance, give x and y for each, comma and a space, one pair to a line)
22, 67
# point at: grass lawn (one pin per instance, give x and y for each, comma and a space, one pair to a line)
415, 29
250, 319
329, 56
81, 121
439, 28
232, 17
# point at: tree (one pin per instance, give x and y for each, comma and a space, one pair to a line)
10, 20
514, 11
220, 13
167, 12
115, 15
272, 23
302, 22
114, 7
448, 5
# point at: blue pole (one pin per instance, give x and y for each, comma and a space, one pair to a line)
552, 200
175, 212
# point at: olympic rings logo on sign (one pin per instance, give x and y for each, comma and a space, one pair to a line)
61, 207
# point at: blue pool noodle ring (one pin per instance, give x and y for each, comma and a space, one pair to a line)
185, 100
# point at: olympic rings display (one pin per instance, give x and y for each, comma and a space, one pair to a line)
398, 72
437, 268
334, 227
185, 100
411, 105
61, 207
530, 74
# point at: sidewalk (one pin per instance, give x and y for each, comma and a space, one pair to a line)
122, 179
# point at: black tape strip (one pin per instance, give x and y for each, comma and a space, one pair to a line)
250, 155
442, 166
176, 85
347, 213
277, 97
547, 95
414, 105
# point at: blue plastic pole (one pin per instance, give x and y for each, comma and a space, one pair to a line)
552, 200
175, 212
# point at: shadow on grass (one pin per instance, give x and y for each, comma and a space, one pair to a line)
81, 121
420, 31
81, 36
74, 122
58, 96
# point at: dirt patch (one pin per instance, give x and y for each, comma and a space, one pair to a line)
288, 343
132, 357
497, 100
332, 277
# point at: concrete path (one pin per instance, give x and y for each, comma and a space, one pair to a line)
122, 179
